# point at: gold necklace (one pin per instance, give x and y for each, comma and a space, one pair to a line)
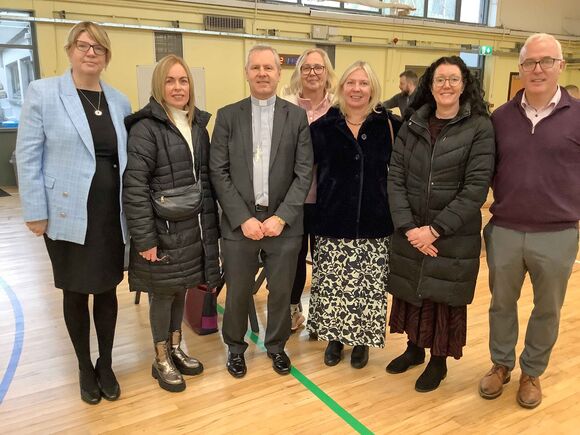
356, 124
98, 111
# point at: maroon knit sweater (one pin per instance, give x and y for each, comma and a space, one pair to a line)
536, 186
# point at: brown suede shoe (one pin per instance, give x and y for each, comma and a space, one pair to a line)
530, 393
491, 385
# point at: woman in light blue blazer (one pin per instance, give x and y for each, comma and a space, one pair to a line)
71, 154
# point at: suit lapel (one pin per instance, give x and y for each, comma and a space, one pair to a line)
280, 115
246, 132
117, 118
74, 108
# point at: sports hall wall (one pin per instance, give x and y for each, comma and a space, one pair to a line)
372, 40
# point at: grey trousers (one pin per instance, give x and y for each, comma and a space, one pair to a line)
240, 267
548, 257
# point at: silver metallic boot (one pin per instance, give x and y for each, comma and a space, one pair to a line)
164, 370
184, 363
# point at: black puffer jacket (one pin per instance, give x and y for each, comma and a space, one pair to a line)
192, 261
443, 185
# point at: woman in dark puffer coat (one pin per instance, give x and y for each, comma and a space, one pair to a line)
169, 147
440, 172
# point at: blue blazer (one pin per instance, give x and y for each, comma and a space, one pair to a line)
55, 155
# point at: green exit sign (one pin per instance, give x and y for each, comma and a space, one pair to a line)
485, 50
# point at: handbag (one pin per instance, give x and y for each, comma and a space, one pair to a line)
200, 312
178, 203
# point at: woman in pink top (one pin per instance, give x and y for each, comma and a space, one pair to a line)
310, 87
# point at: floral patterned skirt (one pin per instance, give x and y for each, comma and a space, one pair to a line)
348, 297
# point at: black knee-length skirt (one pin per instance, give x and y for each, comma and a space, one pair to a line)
97, 265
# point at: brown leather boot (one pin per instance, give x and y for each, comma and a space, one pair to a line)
186, 364
491, 385
530, 392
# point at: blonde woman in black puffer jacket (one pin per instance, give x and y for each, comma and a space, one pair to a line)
169, 147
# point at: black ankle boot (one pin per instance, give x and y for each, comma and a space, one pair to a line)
107, 381
359, 357
413, 355
434, 373
333, 353
90, 392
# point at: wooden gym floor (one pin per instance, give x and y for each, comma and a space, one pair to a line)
39, 385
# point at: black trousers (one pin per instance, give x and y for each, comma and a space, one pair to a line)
78, 324
300, 278
165, 314
241, 265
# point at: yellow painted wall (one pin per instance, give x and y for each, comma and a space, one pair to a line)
223, 57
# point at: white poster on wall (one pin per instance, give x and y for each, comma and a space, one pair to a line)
145, 72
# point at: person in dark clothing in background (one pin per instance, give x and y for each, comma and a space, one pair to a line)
407, 84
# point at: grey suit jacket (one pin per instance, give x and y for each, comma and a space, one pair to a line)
231, 166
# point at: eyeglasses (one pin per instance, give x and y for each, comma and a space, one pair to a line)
83, 46
545, 63
453, 81
306, 69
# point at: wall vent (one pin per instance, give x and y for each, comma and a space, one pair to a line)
223, 23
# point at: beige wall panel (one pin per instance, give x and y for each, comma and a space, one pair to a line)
223, 60
346, 56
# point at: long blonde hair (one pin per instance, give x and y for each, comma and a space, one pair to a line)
158, 83
374, 82
295, 86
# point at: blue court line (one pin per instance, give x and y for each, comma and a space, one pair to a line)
313, 388
18, 339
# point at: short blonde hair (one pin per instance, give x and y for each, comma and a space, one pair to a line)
374, 82
295, 86
96, 32
540, 37
158, 83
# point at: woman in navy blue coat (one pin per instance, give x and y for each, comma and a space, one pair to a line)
352, 147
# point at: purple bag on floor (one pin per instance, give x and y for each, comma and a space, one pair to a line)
201, 310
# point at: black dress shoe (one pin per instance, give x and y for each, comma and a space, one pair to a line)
90, 392
107, 382
333, 353
280, 362
359, 357
236, 365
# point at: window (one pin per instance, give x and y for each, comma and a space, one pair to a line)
466, 11
441, 9
17, 65
168, 43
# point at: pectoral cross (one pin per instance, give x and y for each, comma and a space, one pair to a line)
258, 154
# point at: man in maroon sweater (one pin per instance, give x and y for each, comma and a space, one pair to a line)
534, 228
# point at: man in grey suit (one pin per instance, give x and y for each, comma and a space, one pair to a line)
261, 168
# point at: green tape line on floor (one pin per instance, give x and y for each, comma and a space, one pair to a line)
313, 388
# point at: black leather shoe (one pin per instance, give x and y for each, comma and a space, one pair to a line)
333, 353
280, 362
359, 357
90, 392
107, 382
236, 365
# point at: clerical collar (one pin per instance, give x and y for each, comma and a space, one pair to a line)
269, 102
